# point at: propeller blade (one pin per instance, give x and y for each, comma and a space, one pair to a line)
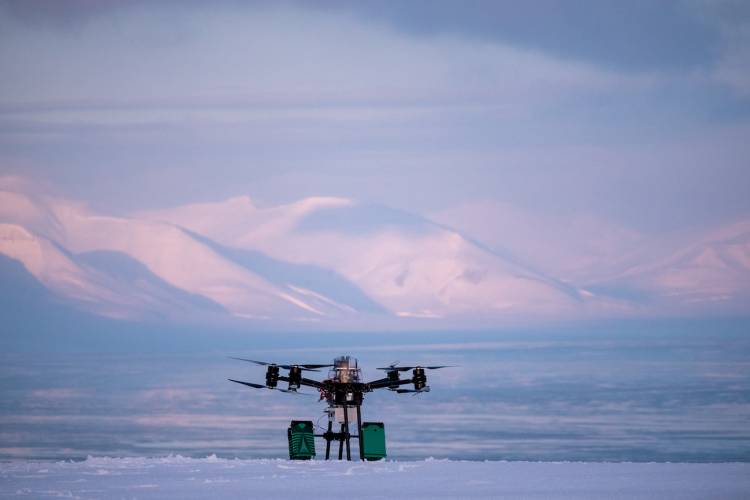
309, 368
262, 363
261, 386
407, 368
249, 384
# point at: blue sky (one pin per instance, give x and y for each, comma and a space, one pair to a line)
636, 111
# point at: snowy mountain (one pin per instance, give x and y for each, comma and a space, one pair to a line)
121, 266
332, 259
703, 271
406, 264
575, 247
709, 273
313, 259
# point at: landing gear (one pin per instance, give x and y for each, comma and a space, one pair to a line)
341, 414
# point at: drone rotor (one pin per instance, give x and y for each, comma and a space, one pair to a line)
306, 367
394, 368
261, 386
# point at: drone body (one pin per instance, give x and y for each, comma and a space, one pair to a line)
343, 390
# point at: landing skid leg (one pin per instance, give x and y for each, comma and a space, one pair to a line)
346, 433
328, 439
341, 443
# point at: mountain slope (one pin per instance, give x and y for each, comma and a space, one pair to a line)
343, 262
175, 261
107, 283
712, 272
409, 265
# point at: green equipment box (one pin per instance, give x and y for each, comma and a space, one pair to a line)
301, 440
373, 440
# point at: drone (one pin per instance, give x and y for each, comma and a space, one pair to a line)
344, 392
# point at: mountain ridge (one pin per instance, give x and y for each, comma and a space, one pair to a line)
326, 259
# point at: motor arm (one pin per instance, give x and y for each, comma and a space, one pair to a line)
311, 383
384, 383
303, 381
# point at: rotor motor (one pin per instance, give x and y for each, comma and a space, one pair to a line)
419, 378
272, 376
295, 378
394, 379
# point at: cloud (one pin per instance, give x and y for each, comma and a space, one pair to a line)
637, 36
632, 36
629, 112
235, 61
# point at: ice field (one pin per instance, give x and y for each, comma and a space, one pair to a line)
177, 477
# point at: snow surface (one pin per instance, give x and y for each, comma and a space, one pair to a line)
185, 478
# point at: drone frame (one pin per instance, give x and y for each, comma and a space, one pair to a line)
344, 395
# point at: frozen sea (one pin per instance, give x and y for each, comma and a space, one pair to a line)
187, 478
646, 394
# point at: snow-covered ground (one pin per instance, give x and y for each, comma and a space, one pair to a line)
186, 478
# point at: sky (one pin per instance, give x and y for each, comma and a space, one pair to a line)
637, 112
